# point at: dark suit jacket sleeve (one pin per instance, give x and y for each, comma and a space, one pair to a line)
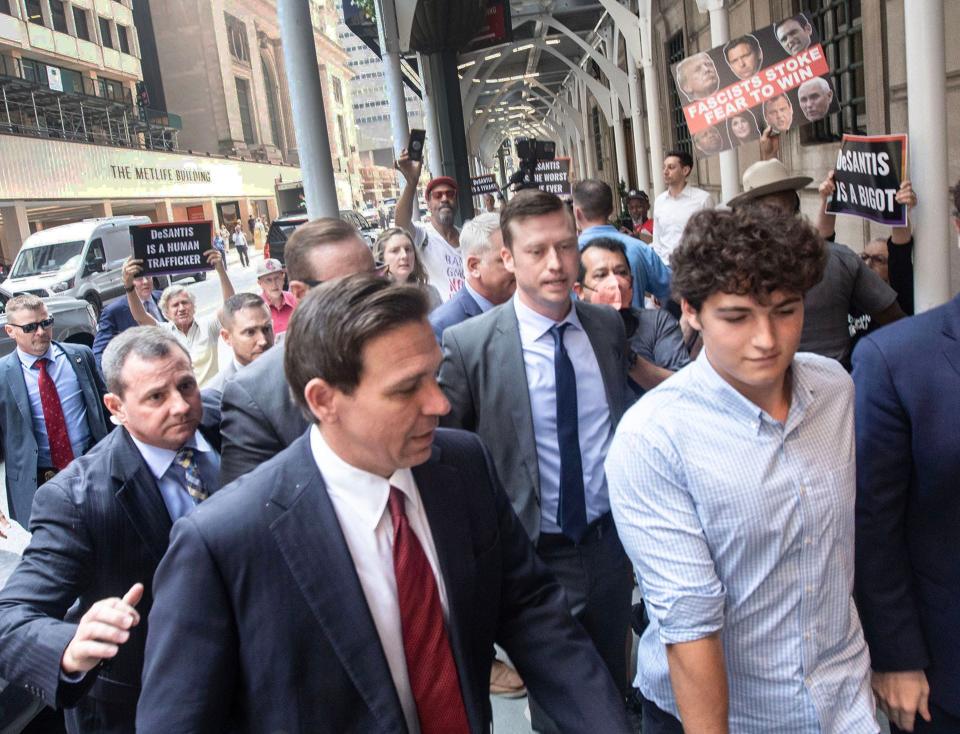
553, 654
246, 435
190, 664
454, 383
98, 386
106, 330
884, 590
56, 567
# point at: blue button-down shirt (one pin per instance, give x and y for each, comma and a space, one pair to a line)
650, 275
171, 478
741, 524
71, 401
593, 411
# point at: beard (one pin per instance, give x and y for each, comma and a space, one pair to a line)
445, 216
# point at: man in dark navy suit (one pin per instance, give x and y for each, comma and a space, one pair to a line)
357, 581
487, 283
116, 317
69, 614
908, 505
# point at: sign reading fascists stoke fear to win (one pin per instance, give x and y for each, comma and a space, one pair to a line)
172, 248
867, 175
777, 76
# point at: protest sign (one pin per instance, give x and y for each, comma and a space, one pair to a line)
172, 248
867, 175
485, 184
553, 176
776, 76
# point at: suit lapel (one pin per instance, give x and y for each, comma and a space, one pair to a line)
139, 495
607, 357
951, 329
90, 397
308, 534
511, 352
470, 307
439, 487
18, 387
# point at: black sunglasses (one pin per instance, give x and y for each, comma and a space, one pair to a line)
379, 269
30, 328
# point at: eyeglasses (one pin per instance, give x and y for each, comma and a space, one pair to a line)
443, 194
30, 328
876, 259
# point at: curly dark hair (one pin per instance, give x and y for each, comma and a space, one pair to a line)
747, 252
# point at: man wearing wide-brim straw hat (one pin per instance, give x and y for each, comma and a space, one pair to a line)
847, 282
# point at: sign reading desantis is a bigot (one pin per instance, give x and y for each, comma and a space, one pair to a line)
777, 76
867, 175
172, 248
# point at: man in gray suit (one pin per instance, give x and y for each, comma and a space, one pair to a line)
51, 398
258, 416
556, 371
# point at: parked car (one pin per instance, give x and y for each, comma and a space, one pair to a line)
282, 227
74, 321
81, 260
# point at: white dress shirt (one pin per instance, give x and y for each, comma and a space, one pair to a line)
670, 216
360, 501
593, 411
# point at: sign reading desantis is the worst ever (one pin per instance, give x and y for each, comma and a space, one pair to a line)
776, 76
553, 176
172, 248
867, 174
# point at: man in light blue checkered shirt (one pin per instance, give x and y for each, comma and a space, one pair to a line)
732, 487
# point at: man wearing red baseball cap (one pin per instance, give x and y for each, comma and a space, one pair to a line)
438, 241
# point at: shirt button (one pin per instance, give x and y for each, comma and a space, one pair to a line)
809, 589
808, 541
806, 636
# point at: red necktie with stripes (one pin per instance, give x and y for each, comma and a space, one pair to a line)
61, 452
433, 673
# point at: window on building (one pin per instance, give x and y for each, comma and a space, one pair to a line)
597, 137
839, 25
246, 115
337, 90
34, 13
123, 33
681, 134
110, 89
342, 129
5, 8
80, 23
106, 38
273, 102
237, 38
59, 13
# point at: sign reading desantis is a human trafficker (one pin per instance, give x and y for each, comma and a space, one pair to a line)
867, 175
776, 76
172, 248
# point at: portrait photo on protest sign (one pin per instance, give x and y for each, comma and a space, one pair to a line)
172, 248
776, 76
867, 175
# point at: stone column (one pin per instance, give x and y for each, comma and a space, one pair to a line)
16, 228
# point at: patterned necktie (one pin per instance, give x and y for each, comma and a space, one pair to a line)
61, 452
433, 673
572, 514
195, 486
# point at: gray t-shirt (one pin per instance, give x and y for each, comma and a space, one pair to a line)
847, 284
657, 339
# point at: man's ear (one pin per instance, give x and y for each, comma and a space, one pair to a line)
472, 263
578, 289
322, 400
507, 256
225, 335
691, 314
115, 405
299, 289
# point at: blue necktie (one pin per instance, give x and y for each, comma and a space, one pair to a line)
572, 516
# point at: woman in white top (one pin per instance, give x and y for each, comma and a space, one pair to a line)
394, 248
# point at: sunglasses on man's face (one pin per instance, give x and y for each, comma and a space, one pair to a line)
379, 269
30, 328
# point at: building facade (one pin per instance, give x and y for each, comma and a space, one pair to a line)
221, 67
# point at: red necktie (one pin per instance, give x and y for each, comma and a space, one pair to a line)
433, 674
61, 452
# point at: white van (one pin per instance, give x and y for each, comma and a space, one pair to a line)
82, 260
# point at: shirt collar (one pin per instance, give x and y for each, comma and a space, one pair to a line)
362, 494
288, 300
599, 228
28, 360
158, 460
533, 325
484, 304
